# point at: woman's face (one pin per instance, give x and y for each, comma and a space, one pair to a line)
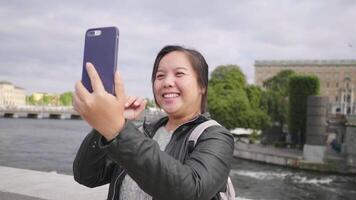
176, 87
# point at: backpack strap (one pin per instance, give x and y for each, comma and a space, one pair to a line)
229, 194
194, 136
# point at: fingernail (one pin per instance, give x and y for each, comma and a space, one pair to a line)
88, 64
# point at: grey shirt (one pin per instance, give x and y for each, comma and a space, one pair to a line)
129, 189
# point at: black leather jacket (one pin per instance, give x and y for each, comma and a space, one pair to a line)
172, 174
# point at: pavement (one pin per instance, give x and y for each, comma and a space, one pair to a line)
24, 184
14, 196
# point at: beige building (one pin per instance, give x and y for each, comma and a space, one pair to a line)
38, 96
11, 95
337, 78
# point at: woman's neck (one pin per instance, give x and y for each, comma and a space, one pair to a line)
175, 121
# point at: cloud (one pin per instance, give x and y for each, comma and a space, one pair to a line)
42, 41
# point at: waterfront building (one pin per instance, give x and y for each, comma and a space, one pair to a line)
11, 94
337, 79
38, 96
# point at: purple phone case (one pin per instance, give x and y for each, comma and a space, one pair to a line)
101, 50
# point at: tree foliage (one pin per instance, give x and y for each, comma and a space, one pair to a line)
300, 87
275, 99
66, 99
279, 82
150, 103
232, 102
30, 100
254, 94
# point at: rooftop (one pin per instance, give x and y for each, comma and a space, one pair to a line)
5, 83
349, 62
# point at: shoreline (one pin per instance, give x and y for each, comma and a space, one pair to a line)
284, 157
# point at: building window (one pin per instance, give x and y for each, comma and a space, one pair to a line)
337, 84
327, 84
336, 98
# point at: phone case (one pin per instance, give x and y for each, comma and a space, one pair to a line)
101, 49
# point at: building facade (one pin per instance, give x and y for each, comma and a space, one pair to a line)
337, 79
11, 94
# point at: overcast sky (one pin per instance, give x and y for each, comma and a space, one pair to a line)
42, 41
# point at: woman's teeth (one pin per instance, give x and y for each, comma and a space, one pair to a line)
171, 95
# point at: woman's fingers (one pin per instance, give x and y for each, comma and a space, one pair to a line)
81, 91
77, 103
134, 107
142, 106
138, 102
134, 102
129, 100
95, 80
119, 86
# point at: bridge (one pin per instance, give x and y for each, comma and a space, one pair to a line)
38, 112
58, 112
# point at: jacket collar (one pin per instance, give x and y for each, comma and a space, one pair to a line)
151, 128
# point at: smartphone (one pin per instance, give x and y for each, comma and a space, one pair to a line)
101, 49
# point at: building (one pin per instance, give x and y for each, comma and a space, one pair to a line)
11, 94
38, 96
337, 78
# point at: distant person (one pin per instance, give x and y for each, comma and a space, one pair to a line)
154, 163
333, 143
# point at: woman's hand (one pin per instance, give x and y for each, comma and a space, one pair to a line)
103, 111
133, 107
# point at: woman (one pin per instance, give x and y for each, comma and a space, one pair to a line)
154, 163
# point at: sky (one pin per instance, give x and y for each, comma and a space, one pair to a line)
42, 41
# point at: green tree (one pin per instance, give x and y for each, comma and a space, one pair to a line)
227, 99
150, 103
66, 99
254, 94
30, 100
300, 87
279, 82
46, 100
275, 98
234, 103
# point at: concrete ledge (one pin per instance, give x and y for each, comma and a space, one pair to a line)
270, 155
314, 153
46, 185
291, 158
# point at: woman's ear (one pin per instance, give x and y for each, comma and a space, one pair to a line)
203, 90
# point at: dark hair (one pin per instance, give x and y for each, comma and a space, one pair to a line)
198, 63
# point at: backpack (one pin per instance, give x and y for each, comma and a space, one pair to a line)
229, 194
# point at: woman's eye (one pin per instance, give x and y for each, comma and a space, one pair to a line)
158, 76
179, 74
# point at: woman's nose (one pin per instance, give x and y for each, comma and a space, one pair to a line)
168, 82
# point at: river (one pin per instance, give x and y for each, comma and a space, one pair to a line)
51, 145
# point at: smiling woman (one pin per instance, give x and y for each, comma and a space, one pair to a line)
154, 161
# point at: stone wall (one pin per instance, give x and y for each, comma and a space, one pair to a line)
351, 146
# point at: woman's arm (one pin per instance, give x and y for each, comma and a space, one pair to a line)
164, 177
91, 166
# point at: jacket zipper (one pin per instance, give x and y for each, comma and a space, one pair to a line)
117, 178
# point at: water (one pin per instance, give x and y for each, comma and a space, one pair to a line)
51, 145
